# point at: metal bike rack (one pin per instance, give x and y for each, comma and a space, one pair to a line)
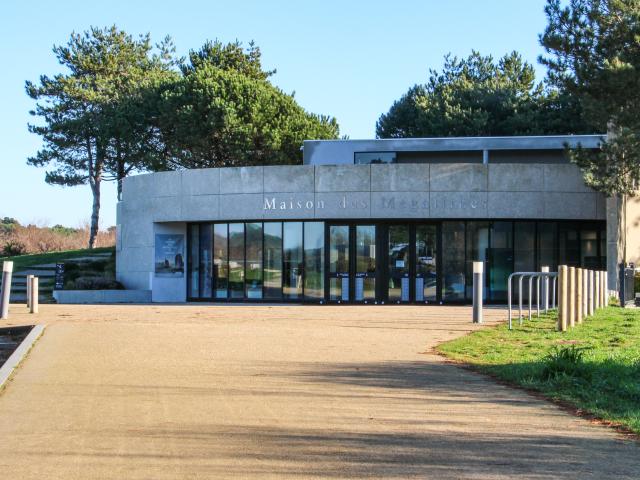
553, 276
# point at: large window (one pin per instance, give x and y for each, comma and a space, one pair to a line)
273, 260
206, 264
314, 260
236, 260
193, 261
365, 282
339, 263
453, 260
253, 264
221, 259
477, 251
367, 158
292, 268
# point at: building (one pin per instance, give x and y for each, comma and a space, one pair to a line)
366, 221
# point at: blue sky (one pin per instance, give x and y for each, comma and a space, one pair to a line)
349, 59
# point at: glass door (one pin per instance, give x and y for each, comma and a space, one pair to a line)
426, 277
339, 263
365, 273
398, 253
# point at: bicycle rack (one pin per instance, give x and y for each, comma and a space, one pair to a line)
531, 275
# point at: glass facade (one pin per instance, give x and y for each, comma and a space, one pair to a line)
379, 261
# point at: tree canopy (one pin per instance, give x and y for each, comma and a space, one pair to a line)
593, 49
478, 96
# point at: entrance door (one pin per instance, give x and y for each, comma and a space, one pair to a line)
365, 256
339, 270
412, 263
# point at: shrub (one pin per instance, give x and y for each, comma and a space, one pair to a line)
566, 361
93, 283
13, 248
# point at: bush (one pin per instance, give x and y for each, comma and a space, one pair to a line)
93, 283
567, 361
13, 248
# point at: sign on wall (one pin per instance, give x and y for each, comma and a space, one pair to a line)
169, 255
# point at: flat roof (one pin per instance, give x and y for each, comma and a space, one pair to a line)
436, 144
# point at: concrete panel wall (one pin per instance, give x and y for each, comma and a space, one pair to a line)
165, 201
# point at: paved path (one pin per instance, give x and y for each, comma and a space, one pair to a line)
167, 392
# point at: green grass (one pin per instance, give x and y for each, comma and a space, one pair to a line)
21, 262
594, 367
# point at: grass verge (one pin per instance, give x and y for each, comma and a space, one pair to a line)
595, 367
21, 262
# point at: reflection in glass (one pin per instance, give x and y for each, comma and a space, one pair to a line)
253, 263
367, 158
603, 249
206, 267
453, 267
477, 251
292, 267
501, 255
339, 262
426, 276
568, 245
365, 281
236, 260
273, 260
524, 254
547, 232
220, 259
314, 260
398, 255
193, 261
589, 248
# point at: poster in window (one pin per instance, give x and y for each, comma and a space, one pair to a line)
169, 255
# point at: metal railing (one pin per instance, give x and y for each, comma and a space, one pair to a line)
538, 276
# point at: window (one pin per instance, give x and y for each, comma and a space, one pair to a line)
273, 260
501, 259
193, 261
292, 267
477, 251
314, 260
368, 158
220, 259
453, 266
206, 266
253, 262
236, 260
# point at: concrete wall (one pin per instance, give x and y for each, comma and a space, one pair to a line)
164, 202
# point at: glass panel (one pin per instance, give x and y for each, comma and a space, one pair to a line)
339, 262
477, 250
193, 261
236, 260
365, 281
547, 232
569, 246
426, 263
524, 253
273, 260
220, 259
206, 266
368, 158
501, 256
603, 249
292, 241
314, 260
453, 260
589, 257
398, 254
253, 262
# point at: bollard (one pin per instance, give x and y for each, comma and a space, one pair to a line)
578, 295
35, 299
596, 293
606, 289
571, 296
563, 311
585, 293
591, 300
545, 290
29, 277
603, 290
478, 269
7, 271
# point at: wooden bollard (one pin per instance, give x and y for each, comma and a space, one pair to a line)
606, 288
591, 292
35, 300
603, 289
571, 296
585, 293
596, 293
563, 307
578, 295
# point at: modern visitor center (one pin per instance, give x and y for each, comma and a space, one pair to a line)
366, 222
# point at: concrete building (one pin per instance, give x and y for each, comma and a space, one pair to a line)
366, 221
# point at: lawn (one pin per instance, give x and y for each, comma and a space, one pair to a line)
21, 262
594, 367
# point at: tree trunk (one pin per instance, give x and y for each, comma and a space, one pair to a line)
95, 213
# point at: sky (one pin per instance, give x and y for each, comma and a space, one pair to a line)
348, 59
